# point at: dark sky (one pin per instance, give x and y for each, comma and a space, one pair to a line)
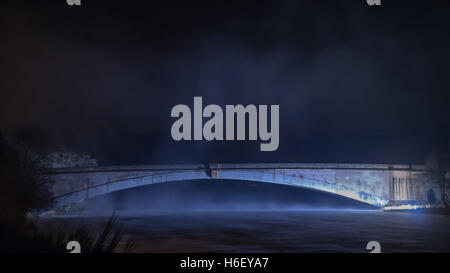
354, 83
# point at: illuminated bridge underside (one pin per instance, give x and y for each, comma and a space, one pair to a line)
374, 184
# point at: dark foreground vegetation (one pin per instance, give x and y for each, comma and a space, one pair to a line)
23, 191
22, 188
30, 240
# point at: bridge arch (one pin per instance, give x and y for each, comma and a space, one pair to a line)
93, 184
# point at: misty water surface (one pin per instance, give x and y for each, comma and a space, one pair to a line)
199, 216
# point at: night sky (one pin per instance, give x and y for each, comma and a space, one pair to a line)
354, 83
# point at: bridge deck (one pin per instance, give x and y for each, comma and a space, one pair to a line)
348, 166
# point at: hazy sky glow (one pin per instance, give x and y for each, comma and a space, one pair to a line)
354, 83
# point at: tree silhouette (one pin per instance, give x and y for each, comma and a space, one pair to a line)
22, 187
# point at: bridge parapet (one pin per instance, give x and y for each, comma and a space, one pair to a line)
315, 166
241, 166
129, 168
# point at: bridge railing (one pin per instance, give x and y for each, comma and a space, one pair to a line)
315, 166
239, 166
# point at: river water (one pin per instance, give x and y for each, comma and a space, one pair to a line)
276, 230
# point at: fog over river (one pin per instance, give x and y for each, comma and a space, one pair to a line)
235, 216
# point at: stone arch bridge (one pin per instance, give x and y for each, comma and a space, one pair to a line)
375, 184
